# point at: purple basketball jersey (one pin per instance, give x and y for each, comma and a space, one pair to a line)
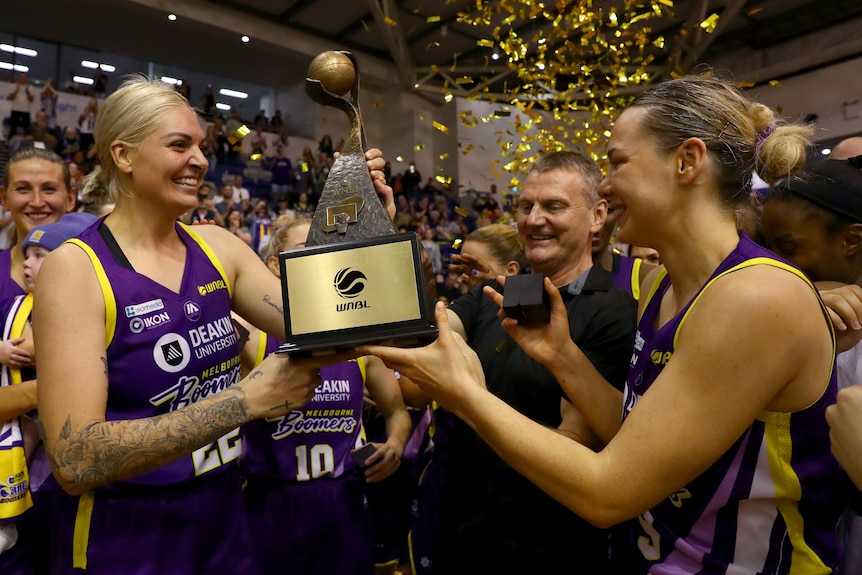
167, 350
315, 441
9, 288
769, 504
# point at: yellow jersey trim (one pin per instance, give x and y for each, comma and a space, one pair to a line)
107, 290
81, 536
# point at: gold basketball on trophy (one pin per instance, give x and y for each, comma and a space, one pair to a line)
334, 70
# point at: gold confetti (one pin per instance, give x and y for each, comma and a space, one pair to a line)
239, 134
503, 114
774, 83
440, 126
443, 156
431, 19
467, 150
399, 158
754, 11
444, 180
448, 97
485, 43
457, 209
464, 80
421, 117
746, 84
378, 105
418, 147
710, 23
255, 157
390, 21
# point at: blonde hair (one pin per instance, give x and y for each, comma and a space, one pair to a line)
282, 226
129, 115
741, 135
502, 241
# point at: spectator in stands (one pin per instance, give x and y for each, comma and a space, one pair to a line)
280, 139
260, 121
260, 225
403, 215
257, 143
210, 148
240, 192
204, 212
48, 97
22, 97
225, 201
303, 207
282, 176
277, 121
100, 83
234, 222
70, 144
208, 102
411, 180
305, 170
325, 146
427, 234
86, 123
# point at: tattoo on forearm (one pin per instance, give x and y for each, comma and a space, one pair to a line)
267, 300
108, 451
255, 374
287, 405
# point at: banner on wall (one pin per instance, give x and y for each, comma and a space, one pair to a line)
69, 106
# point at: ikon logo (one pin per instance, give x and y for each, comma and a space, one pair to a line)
349, 283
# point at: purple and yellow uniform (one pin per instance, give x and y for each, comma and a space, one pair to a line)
626, 272
299, 472
9, 288
769, 504
165, 350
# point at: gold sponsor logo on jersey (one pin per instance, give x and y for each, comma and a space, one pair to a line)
211, 287
660, 357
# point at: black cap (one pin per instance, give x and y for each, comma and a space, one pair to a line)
835, 185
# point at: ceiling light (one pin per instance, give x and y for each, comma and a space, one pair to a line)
233, 93
89, 64
245, 39
495, 56
169, 80
107, 67
221, 106
19, 50
83, 80
826, 151
172, 17
16, 67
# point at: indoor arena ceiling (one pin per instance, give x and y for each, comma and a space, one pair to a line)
415, 42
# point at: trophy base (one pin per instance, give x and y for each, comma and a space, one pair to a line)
341, 295
404, 338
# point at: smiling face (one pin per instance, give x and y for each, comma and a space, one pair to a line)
36, 194
169, 165
639, 179
556, 222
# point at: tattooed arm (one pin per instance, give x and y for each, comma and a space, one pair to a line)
87, 451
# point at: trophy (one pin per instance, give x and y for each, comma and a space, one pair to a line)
356, 280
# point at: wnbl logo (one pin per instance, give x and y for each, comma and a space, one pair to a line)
349, 283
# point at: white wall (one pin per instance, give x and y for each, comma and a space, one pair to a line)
823, 92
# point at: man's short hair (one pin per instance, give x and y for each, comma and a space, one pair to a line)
577, 162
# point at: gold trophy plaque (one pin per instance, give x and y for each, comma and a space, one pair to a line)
357, 280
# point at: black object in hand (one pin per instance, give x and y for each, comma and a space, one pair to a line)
360, 455
525, 299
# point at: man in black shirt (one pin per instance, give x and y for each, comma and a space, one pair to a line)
493, 519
